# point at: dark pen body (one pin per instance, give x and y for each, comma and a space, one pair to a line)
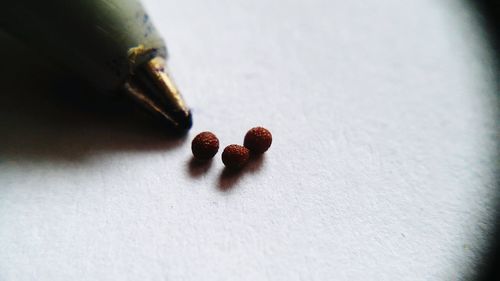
111, 44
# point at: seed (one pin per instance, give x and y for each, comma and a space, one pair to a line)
204, 146
235, 156
258, 140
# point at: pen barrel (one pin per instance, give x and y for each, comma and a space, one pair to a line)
102, 41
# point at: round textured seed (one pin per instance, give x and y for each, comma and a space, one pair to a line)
235, 156
205, 145
258, 140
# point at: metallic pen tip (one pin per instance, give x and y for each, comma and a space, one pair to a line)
151, 86
184, 121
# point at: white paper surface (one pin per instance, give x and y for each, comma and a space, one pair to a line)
381, 167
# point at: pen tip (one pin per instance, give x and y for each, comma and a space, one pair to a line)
185, 122
152, 87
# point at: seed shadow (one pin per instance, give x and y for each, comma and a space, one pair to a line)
196, 168
230, 177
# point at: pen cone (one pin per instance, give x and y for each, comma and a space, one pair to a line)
151, 86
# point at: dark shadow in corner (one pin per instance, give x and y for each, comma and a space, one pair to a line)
45, 117
230, 177
488, 12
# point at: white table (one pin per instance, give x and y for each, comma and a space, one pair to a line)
382, 165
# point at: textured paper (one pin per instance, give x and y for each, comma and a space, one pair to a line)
382, 164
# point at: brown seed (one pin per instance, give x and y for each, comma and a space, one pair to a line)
205, 145
258, 140
235, 156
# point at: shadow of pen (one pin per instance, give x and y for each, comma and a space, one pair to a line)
44, 116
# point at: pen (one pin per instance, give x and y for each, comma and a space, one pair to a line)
111, 44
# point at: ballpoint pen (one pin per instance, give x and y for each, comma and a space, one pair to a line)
111, 44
